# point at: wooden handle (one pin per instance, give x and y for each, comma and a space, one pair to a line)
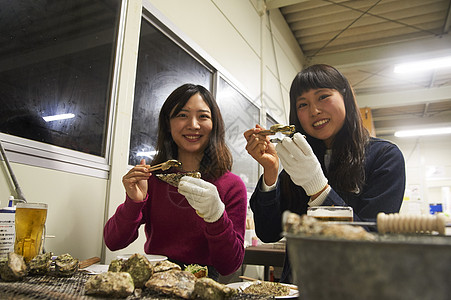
247, 278
87, 262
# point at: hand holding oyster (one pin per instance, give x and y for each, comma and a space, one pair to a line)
174, 178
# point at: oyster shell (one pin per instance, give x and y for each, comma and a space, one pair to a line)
117, 265
111, 284
165, 265
173, 282
40, 264
139, 268
208, 289
3, 261
14, 268
311, 226
174, 178
66, 265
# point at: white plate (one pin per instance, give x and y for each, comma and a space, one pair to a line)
151, 257
294, 293
96, 269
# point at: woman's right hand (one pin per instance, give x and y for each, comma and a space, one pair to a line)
264, 152
135, 181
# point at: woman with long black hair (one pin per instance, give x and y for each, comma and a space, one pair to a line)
202, 220
330, 160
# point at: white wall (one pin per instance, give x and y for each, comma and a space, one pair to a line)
428, 171
260, 59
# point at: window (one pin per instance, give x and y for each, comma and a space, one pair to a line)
56, 57
239, 115
163, 65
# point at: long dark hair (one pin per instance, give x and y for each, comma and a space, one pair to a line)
346, 170
217, 158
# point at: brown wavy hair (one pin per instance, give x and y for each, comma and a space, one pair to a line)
346, 170
217, 158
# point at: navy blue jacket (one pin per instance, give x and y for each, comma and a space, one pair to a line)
383, 191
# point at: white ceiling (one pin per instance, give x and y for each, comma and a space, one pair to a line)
364, 39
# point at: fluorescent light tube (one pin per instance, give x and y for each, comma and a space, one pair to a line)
58, 117
419, 132
422, 65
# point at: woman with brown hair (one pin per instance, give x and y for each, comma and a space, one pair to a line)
330, 161
202, 221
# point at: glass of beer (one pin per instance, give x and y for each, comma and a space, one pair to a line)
30, 223
331, 213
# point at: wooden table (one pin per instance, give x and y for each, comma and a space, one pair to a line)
265, 255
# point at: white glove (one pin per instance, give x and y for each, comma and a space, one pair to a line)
203, 197
301, 164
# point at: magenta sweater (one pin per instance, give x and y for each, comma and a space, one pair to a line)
174, 229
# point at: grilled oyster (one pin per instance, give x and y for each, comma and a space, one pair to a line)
208, 289
14, 268
310, 226
40, 264
174, 178
139, 268
173, 282
111, 284
117, 265
66, 265
165, 265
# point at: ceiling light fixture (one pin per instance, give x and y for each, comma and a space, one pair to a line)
58, 117
422, 65
419, 132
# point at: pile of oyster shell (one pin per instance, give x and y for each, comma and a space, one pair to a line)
14, 267
125, 277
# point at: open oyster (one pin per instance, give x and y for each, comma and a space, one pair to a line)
285, 129
174, 178
40, 264
111, 284
14, 268
165, 265
173, 282
66, 265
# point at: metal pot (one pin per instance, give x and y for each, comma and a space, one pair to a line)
393, 267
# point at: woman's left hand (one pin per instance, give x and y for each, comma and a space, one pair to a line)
301, 164
203, 197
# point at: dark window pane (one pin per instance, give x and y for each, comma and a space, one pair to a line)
56, 58
239, 115
162, 67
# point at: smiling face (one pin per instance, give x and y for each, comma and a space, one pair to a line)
321, 113
191, 128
